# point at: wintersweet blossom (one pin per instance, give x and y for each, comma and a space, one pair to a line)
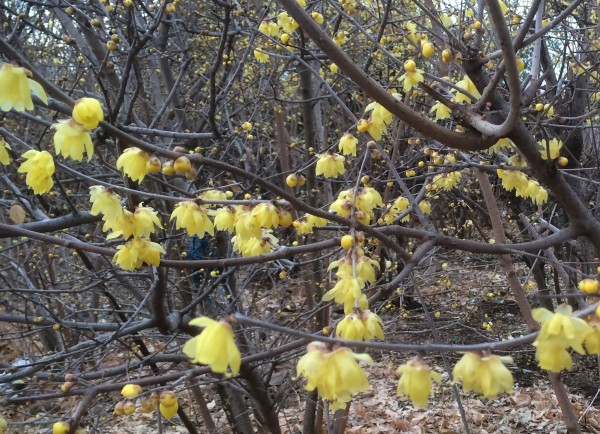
88, 113
214, 346
416, 381
39, 166
135, 162
106, 202
71, 139
193, 218
336, 374
485, 375
347, 145
136, 252
330, 165
4, 157
16, 88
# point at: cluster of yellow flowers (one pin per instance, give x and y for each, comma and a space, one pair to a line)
139, 224
523, 186
367, 199
305, 224
400, 205
335, 373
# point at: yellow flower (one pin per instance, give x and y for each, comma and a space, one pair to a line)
552, 354
373, 324
416, 380
287, 23
134, 253
168, 411
225, 219
341, 207
467, 85
592, 341
335, 374
485, 375
425, 207
266, 215
135, 163
39, 167
131, 390
551, 147
316, 222
254, 246
214, 346
88, 112
446, 181
563, 325
71, 139
261, 56
303, 226
106, 202
246, 224
351, 327
501, 144
193, 218
347, 145
441, 111
330, 165
133, 224
367, 198
213, 195
4, 157
346, 291
411, 79
16, 89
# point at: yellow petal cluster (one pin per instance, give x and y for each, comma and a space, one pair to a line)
441, 111
135, 163
467, 85
550, 148
136, 252
330, 165
16, 88
560, 331
71, 139
416, 381
362, 325
193, 218
336, 374
347, 145
214, 346
446, 181
485, 375
39, 166
88, 113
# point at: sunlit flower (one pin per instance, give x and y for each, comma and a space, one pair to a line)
214, 346
416, 380
16, 88
88, 112
39, 167
71, 139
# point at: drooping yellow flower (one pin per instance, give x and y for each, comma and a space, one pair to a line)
261, 56
254, 246
137, 224
39, 167
246, 224
425, 207
214, 346
416, 380
485, 375
213, 194
106, 202
412, 77
441, 111
266, 215
71, 139
551, 147
447, 181
367, 199
563, 325
4, 157
316, 222
552, 354
504, 143
268, 28
88, 112
467, 85
373, 325
335, 374
193, 218
16, 89
135, 162
136, 252
351, 327
225, 219
303, 226
347, 145
346, 291
330, 165
287, 23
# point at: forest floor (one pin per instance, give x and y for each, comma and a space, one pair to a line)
470, 303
